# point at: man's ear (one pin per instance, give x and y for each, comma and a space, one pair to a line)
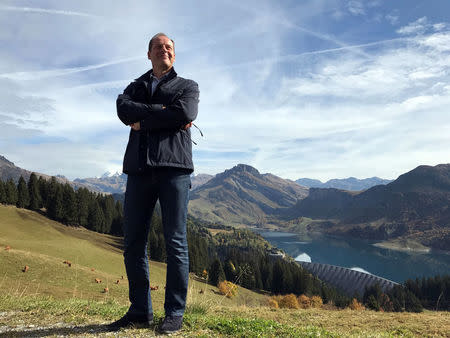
148, 55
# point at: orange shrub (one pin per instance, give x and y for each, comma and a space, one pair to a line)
304, 301
355, 305
227, 289
272, 303
288, 301
316, 301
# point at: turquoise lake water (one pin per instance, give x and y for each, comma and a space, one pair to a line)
361, 255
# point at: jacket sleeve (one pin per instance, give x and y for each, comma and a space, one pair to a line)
181, 111
130, 111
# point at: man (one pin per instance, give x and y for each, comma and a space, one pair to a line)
159, 106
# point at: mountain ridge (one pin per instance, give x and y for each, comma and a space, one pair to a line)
350, 183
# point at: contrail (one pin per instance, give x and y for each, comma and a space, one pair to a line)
46, 11
293, 57
287, 23
27, 76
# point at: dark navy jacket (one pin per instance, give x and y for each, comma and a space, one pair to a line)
161, 115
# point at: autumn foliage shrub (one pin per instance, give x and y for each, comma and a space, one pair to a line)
272, 303
304, 301
316, 301
288, 301
355, 305
227, 289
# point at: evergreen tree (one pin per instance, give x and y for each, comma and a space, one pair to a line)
11, 192
230, 271
43, 191
33, 192
69, 205
216, 274
117, 223
277, 278
23, 198
3, 198
108, 208
95, 217
83, 196
55, 201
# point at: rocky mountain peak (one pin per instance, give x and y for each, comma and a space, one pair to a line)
244, 168
5, 161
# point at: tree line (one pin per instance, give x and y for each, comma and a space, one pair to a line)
60, 202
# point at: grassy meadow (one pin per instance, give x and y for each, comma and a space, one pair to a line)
53, 299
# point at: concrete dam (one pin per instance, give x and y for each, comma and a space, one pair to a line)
347, 280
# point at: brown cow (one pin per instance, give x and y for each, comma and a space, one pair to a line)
98, 280
105, 290
7, 247
117, 281
92, 269
154, 288
26, 268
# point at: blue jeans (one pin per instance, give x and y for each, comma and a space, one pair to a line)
171, 186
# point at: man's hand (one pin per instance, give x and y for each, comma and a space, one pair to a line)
136, 126
187, 126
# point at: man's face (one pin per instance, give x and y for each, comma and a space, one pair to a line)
162, 53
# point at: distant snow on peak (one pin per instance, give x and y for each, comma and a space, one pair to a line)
106, 175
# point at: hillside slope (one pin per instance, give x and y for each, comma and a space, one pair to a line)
415, 206
44, 245
242, 195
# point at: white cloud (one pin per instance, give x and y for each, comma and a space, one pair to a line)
356, 7
393, 19
281, 87
421, 26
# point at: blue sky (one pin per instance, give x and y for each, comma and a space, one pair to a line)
321, 88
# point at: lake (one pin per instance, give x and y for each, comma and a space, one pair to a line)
360, 255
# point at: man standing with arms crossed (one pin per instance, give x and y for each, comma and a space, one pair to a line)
159, 107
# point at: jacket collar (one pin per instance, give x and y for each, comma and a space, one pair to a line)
146, 76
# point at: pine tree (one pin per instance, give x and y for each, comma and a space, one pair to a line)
33, 191
117, 223
108, 208
11, 192
69, 205
83, 196
96, 218
277, 278
216, 274
23, 198
43, 191
2, 192
55, 201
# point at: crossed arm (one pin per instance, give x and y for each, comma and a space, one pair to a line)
177, 115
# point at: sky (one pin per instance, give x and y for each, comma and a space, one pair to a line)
309, 88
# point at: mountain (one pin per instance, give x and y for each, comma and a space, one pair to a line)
351, 183
113, 184
241, 195
199, 180
416, 206
9, 170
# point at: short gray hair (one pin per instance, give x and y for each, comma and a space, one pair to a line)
157, 36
